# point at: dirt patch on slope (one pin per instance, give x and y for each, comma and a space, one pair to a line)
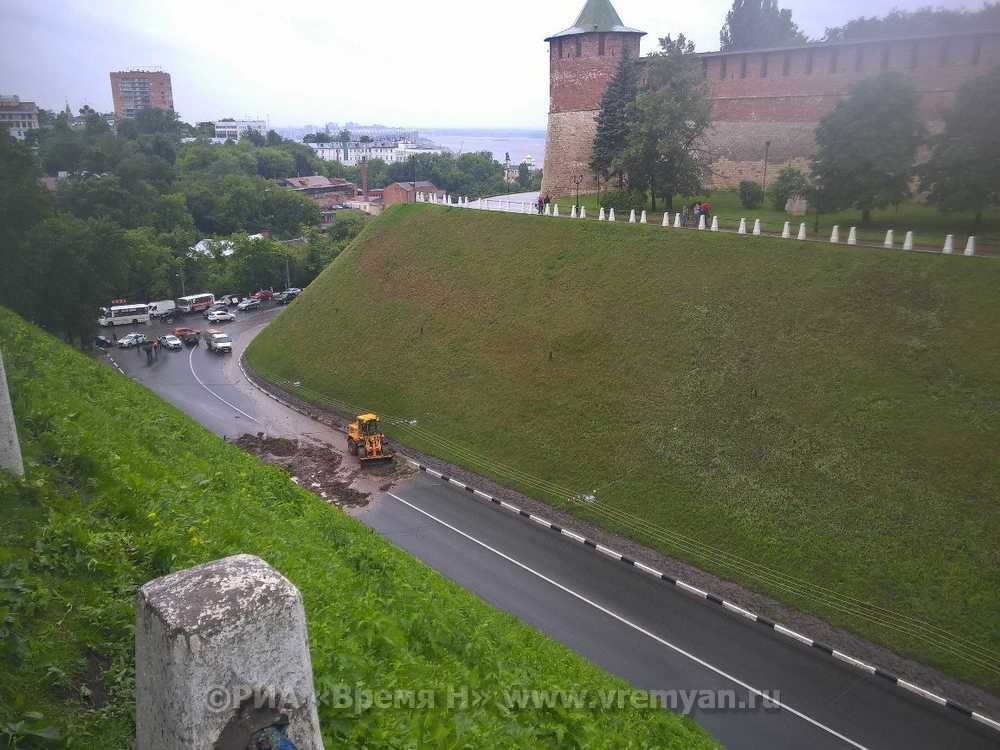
323, 471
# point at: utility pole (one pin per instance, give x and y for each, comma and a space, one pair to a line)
763, 182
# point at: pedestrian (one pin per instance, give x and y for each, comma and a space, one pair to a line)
156, 350
684, 217
541, 204
548, 199
114, 338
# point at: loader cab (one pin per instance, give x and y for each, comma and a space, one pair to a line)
368, 424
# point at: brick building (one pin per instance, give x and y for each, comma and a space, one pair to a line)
758, 96
327, 192
405, 192
132, 90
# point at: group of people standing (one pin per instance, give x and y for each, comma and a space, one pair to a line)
694, 212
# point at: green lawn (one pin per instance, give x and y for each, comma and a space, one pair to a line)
829, 414
122, 488
929, 225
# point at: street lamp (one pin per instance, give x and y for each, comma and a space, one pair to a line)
576, 180
506, 172
763, 182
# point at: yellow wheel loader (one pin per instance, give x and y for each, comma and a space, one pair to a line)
364, 439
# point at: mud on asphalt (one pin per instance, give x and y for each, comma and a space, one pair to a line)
325, 472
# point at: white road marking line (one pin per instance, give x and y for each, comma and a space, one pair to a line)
202, 384
630, 624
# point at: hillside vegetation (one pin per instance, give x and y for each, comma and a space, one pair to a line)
121, 488
818, 422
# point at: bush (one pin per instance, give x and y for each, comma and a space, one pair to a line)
789, 183
624, 200
751, 194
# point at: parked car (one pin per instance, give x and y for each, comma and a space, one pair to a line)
169, 341
131, 339
263, 295
218, 342
187, 335
221, 316
248, 304
217, 307
103, 342
286, 296
231, 299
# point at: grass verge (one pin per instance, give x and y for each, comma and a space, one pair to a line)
819, 423
121, 488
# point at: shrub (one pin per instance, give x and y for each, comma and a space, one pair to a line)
624, 200
751, 194
789, 183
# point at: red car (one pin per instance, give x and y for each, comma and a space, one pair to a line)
187, 335
264, 295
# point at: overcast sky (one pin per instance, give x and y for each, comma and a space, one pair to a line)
429, 63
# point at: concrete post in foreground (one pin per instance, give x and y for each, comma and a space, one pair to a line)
786, 231
890, 241
642, 217
631, 217
835, 235
908, 241
743, 227
949, 244
715, 223
221, 652
10, 446
583, 212
701, 222
970, 246
756, 227
852, 236
802, 231
572, 211
677, 220
611, 214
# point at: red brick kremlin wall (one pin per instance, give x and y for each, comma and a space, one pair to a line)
759, 96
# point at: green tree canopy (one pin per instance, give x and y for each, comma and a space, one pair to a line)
963, 173
617, 110
759, 24
927, 20
867, 145
669, 116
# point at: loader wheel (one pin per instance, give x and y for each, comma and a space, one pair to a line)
352, 447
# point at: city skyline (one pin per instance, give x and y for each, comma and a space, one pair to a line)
340, 65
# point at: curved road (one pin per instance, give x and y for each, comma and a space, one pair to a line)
653, 635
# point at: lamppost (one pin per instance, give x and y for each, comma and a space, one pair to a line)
506, 172
180, 276
763, 182
818, 192
576, 180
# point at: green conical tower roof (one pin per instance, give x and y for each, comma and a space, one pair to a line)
597, 16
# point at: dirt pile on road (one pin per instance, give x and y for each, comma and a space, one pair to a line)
322, 470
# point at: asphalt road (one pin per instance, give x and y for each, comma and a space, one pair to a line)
653, 635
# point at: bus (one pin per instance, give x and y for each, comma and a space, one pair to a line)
120, 315
195, 302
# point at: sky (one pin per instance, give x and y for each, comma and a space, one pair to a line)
420, 63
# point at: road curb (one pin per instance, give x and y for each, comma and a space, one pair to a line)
678, 583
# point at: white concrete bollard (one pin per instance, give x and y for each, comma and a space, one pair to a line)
908, 241
555, 210
666, 219
677, 220
890, 241
852, 236
572, 211
835, 235
611, 214
802, 232
701, 222
583, 212
786, 231
949, 245
631, 217
715, 223
970, 246
600, 216
10, 446
213, 643
642, 217
548, 209
756, 227
743, 227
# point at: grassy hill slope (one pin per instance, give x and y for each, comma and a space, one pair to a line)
828, 413
121, 488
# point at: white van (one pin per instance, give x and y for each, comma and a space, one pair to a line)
161, 308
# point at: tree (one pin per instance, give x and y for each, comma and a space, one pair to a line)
928, 20
670, 115
789, 183
963, 173
150, 120
254, 136
867, 145
324, 137
273, 139
751, 194
759, 24
613, 120
523, 176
